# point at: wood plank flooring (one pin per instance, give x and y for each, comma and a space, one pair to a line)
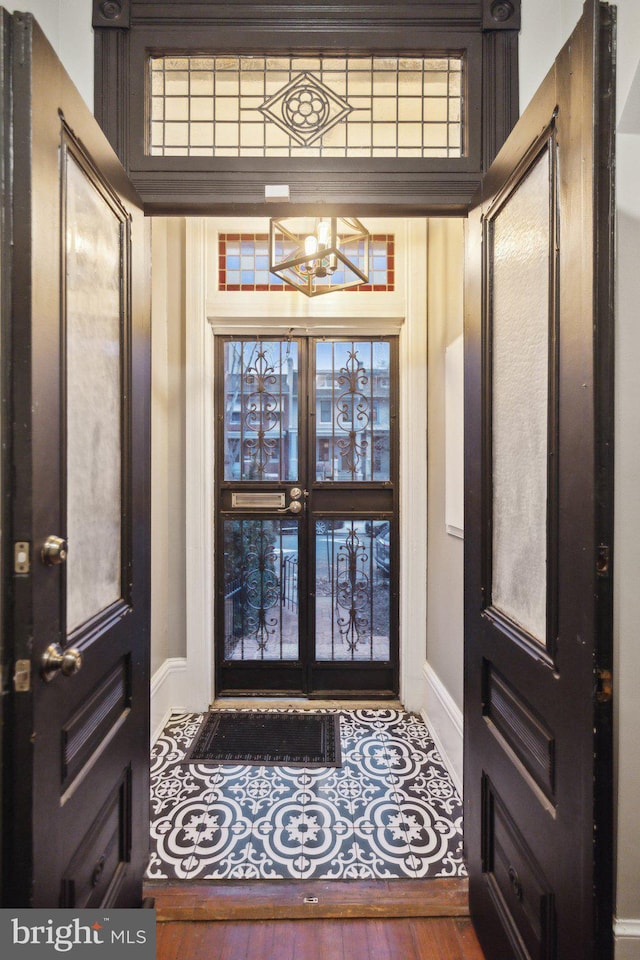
389, 939
300, 899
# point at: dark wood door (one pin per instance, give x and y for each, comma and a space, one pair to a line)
538, 422
307, 572
76, 710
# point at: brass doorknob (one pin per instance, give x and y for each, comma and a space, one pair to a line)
55, 660
54, 551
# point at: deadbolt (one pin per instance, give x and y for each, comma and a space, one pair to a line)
55, 660
295, 493
54, 551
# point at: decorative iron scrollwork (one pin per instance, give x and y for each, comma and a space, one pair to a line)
353, 413
353, 592
262, 591
261, 410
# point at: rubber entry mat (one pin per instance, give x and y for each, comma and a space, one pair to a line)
256, 737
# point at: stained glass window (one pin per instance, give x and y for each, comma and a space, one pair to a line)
241, 106
243, 264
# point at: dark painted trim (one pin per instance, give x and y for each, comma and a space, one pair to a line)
377, 187
111, 13
604, 404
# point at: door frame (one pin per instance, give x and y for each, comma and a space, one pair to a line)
309, 673
406, 316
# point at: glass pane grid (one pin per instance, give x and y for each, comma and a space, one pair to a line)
243, 265
305, 107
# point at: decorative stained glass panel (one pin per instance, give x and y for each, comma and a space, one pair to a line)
242, 106
261, 410
243, 265
354, 378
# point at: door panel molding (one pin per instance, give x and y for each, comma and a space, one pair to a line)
548, 752
68, 741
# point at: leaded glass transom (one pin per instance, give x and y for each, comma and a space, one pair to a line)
305, 106
243, 265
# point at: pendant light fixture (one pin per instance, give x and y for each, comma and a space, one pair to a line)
319, 254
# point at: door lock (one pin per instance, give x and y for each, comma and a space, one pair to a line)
54, 551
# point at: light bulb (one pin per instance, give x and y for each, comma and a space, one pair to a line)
323, 231
310, 245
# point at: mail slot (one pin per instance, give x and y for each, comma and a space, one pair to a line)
266, 501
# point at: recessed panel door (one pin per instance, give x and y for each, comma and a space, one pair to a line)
77, 716
538, 520
306, 570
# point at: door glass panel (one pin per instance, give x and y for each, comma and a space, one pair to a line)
93, 387
260, 589
261, 410
352, 590
520, 342
353, 410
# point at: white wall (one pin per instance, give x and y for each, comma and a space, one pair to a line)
168, 460
443, 671
546, 24
67, 26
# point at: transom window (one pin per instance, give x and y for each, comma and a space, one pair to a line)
245, 106
243, 265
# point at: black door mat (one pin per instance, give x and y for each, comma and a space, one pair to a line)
300, 739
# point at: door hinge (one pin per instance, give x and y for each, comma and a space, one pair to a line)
22, 676
604, 685
21, 557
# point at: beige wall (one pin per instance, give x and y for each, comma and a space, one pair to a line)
445, 555
168, 466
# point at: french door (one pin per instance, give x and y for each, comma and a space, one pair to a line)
306, 520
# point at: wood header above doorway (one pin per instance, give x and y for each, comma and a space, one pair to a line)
484, 32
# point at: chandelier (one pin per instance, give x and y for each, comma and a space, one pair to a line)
319, 254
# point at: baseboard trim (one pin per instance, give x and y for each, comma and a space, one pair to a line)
445, 721
167, 693
624, 927
626, 938
626, 933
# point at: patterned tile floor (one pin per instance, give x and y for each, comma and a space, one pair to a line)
391, 809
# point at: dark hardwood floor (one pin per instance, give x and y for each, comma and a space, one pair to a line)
438, 938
